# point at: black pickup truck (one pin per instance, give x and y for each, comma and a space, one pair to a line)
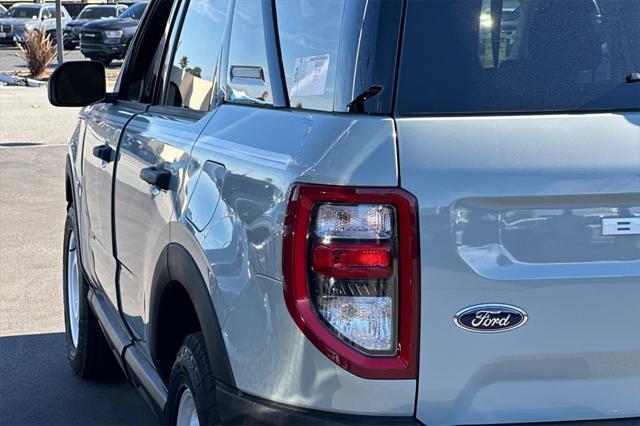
89, 14
108, 39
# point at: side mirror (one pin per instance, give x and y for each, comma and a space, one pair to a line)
77, 84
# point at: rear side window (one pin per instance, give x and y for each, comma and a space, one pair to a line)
481, 56
339, 55
197, 51
310, 39
248, 74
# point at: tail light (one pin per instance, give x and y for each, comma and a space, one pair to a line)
350, 264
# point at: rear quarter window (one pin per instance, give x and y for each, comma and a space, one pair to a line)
504, 56
340, 55
310, 40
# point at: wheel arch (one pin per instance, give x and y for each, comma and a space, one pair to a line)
177, 275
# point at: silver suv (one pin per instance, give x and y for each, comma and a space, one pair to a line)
22, 17
362, 211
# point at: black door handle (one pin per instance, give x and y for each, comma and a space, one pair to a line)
159, 177
103, 152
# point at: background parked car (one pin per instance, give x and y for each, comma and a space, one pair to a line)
25, 16
108, 39
89, 14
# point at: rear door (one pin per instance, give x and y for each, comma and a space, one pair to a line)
155, 151
520, 137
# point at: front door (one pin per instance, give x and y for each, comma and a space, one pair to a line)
105, 122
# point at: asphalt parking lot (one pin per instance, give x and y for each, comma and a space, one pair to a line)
37, 385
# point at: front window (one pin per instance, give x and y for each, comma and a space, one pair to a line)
503, 56
97, 13
135, 11
48, 13
23, 12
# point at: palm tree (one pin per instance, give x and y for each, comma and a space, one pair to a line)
183, 62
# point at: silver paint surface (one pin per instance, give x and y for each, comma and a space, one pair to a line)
142, 213
510, 212
239, 249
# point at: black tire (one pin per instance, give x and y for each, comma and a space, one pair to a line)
91, 358
192, 371
106, 61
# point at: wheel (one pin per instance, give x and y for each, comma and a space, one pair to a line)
191, 400
87, 348
105, 61
69, 46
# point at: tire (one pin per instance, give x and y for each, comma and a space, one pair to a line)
191, 377
87, 349
105, 61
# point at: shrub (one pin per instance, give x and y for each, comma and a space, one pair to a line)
38, 50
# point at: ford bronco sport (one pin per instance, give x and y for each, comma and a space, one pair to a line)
362, 211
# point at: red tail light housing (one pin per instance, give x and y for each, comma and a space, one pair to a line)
350, 265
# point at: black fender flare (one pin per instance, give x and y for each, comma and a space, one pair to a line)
176, 265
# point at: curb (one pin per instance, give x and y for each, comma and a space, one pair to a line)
12, 80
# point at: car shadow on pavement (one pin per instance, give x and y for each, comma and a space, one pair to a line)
18, 144
38, 387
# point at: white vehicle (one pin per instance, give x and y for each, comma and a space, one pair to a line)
30, 16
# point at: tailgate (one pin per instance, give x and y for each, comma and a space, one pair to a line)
504, 221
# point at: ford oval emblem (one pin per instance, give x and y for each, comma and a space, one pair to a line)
490, 318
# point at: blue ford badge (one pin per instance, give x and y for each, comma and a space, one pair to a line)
490, 318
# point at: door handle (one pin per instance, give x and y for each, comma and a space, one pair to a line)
156, 176
103, 152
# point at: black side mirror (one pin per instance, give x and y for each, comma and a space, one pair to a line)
77, 84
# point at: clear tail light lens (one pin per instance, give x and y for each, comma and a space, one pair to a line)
350, 270
364, 221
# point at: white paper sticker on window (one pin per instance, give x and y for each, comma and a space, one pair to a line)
310, 75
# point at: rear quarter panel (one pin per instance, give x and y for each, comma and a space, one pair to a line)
260, 152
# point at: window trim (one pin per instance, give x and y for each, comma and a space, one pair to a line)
279, 90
